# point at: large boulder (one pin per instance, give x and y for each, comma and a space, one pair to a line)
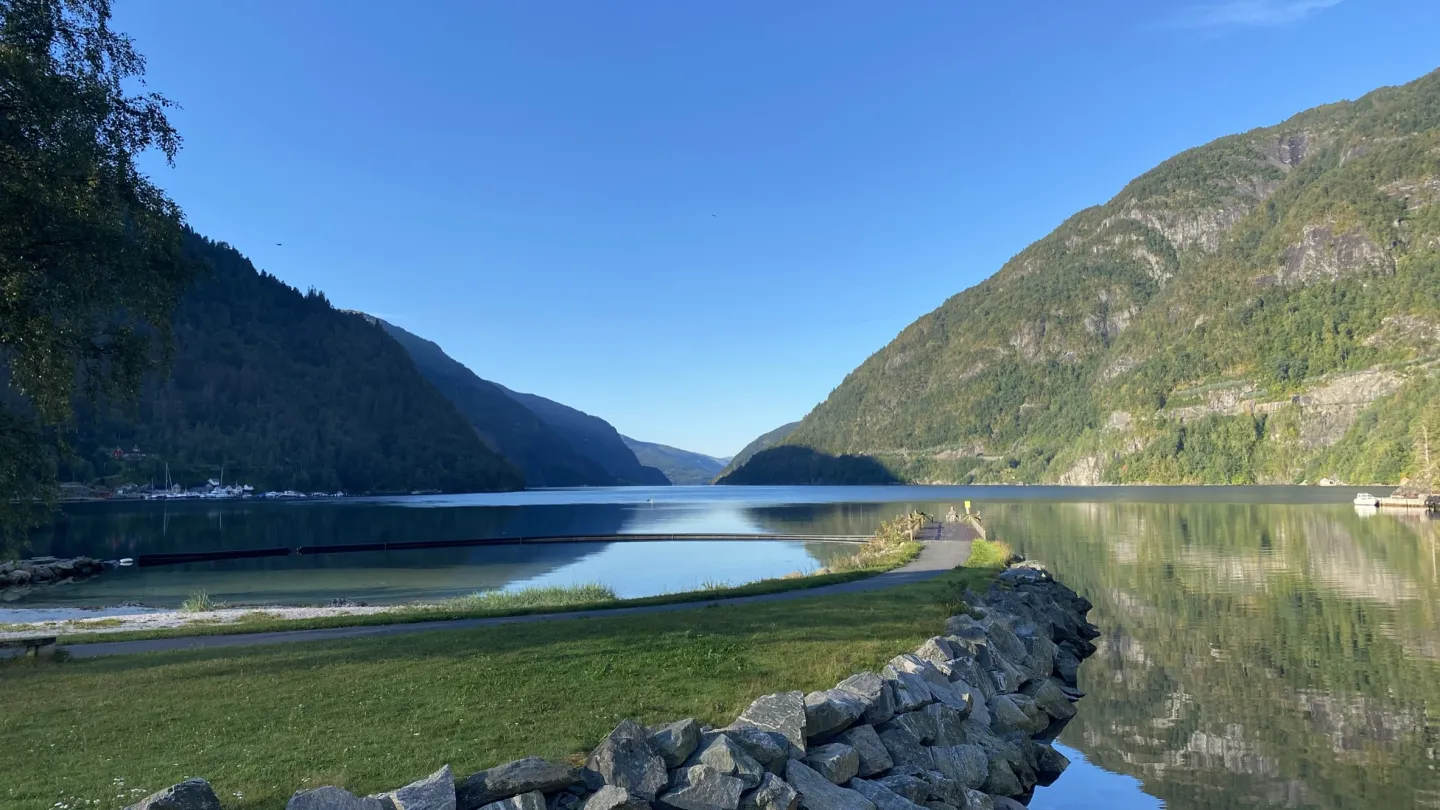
1005, 803
919, 722
727, 757
192, 794
533, 800
905, 748
437, 792
783, 713
514, 778
874, 759
627, 759
938, 652
818, 793
1049, 763
330, 797
1067, 665
943, 788
830, 711
914, 788
566, 800
1011, 715
1050, 698
874, 692
1000, 779
676, 741
910, 689
966, 670
946, 723
769, 748
837, 762
978, 800
774, 793
883, 797
701, 787
611, 797
966, 764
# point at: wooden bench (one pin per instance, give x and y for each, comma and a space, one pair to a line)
33, 645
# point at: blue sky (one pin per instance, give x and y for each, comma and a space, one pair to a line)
695, 218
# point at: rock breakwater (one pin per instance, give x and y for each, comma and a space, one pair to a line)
20, 575
966, 721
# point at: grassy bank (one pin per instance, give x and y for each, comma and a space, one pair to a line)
890, 548
371, 714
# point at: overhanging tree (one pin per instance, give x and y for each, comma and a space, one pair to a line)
91, 265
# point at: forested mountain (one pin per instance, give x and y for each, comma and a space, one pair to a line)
682, 467
281, 390
593, 438
542, 454
1263, 308
764, 442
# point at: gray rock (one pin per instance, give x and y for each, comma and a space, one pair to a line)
533, 800
701, 787
627, 759
333, 798
966, 764
783, 713
919, 722
946, 693
830, 711
883, 797
192, 794
967, 670
1008, 715
837, 762
1050, 698
1039, 649
1067, 666
1008, 677
1005, 803
940, 806
514, 778
1038, 720
946, 722
1004, 641
676, 741
437, 792
1049, 763
818, 793
765, 746
727, 757
1001, 780
905, 748
976, 800
774, 793
937, 651
611, 797
911, 691
874, 759
943, 788
914, 788
875, 692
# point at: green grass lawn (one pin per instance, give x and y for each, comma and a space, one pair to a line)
373, 714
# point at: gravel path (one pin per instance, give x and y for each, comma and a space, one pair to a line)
943, 551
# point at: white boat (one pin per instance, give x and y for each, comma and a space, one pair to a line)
1366, 499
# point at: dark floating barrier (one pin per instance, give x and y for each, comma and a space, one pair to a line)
179, 558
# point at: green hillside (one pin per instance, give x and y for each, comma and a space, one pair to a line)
280, 390
546, 459
681, 467
764, 442
1264, 308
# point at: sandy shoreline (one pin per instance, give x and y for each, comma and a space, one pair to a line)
20, 622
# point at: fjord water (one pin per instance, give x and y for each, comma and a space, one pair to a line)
1263, 647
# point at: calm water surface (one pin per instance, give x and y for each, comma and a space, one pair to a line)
1264, 647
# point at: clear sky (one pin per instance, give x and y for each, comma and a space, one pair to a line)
694, 218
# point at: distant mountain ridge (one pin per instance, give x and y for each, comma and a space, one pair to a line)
278, 389
545, 457
593, 438
682, 467
1264, 308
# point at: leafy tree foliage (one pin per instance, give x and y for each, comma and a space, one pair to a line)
90, 258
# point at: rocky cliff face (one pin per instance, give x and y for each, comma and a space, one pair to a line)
1284, 282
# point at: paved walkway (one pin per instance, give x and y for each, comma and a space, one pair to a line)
946, 547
